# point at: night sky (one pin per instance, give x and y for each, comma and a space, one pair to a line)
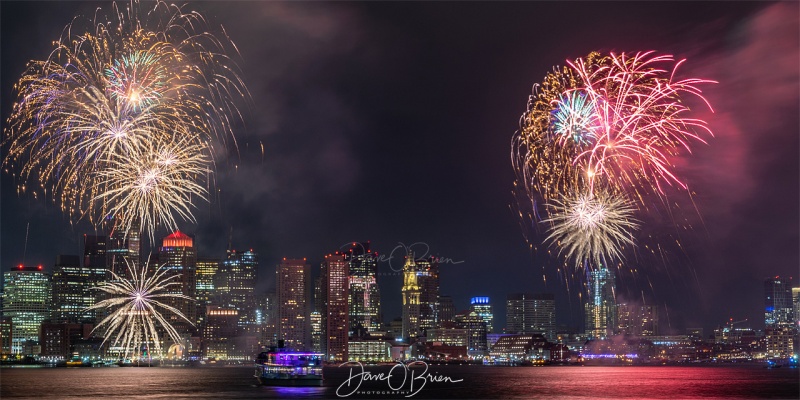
392, 122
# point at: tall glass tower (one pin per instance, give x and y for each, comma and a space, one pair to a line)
601, 307
364, 295
26, 300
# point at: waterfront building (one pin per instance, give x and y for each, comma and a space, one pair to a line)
26, 300
600, 308
447, 310
514, 348
364, 295
449, 336
235, 284
58, 340
411, 292
633, 319
6, 327
369, 349
73, 290
337, 311
206, 269
778, 311
780, 341
482, 307
317, 333
530, 313
220, 332
292, 284
178, 257
476, 333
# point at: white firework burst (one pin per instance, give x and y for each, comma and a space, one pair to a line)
591, 227
137, 307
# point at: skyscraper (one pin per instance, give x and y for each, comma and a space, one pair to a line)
122, 248
365, 297
236, 283
177, 255
428, 281
73, 291
411, 292
447, 310
317, 333
796, 306
531, 313
476, 333
337, 321
94, 251
482, 307
26, 300
293, 283
601, 306
204, 287
778, 312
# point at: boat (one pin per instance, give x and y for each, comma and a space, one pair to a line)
283, 367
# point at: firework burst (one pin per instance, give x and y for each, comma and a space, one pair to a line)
589, 227
114, 90
136, 307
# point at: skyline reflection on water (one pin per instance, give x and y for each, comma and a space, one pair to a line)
479, 382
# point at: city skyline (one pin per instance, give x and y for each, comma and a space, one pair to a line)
352, 180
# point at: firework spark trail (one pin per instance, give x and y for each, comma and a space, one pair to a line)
110, 92
136, 306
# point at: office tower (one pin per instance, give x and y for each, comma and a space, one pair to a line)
94, 251
531, 313
633, 319
476, 333
600, 308
428, 282
58, 340
411, 293
235, 284
6, 327
778, 311
123, 248
205, 290
321, 305
220, 331
796, 306
268, 308
482, 307
447, 310
292, 285
178, 257
365, 297
73, 290
26, 300
317, 333
337, 272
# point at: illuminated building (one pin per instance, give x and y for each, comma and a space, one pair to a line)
428, 282
58, 340
372, 349
780, 341
235, 284
447, 310
26, 300
778, 311
449, 336
531, 313
396, 328
317, 333
637, 320
482, 307
269, 318
178, 257
796, 306
511, 348
476, 333
411, 292
365, 297
205, 291
337, 312
73, 291
220, 332
600, 308
6, 327
293, 282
